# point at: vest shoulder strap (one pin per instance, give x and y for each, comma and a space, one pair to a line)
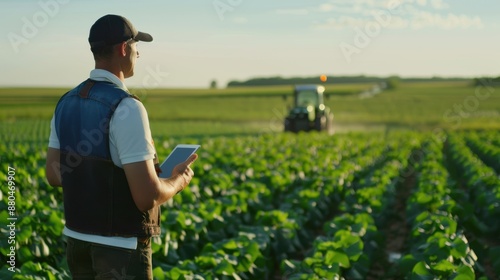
84, 92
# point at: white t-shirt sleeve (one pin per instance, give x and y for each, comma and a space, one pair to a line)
53, 138
130, 135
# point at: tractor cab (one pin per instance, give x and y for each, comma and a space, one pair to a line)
309, 112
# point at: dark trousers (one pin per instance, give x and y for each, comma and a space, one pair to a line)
88, 260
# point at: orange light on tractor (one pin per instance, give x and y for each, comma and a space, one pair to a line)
323, 78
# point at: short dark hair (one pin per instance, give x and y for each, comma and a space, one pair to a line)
102, 52
105, 51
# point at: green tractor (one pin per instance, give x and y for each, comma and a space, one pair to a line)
309, 112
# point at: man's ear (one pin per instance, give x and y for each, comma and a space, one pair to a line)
122, 49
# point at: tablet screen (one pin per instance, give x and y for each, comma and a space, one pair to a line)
180, 153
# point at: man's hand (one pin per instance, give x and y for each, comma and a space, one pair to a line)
148, 190
184, 170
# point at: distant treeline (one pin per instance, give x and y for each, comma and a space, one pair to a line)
487, 81
270, 81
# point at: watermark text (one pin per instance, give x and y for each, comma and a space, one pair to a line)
11, 219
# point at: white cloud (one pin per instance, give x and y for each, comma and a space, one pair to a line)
435, 4
449, 21
398, 22
341, 22
439, 4
362, 3
296, 12
398, 14
351, 6
327, 7
423, 20
422, 2
344, 9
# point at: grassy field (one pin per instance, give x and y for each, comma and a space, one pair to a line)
193, 112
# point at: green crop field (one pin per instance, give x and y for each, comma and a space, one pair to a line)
408, 187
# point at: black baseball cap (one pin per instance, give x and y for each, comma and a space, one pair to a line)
113, 29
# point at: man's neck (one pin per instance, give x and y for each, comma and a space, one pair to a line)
112, 68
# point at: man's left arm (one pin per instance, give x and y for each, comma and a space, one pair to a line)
52, 167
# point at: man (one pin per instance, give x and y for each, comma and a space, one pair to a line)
101, 152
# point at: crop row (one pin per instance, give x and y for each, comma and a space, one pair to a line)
480, 203
351, 239
489, 137
24, 131
480, 180
437, 244
487, 152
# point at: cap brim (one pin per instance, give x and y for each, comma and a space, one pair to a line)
144, 37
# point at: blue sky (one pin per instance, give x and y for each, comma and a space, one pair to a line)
44, 42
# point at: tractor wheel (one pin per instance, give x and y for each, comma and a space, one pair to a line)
319, 123
288, 125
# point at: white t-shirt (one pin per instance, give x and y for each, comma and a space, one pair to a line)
130, 141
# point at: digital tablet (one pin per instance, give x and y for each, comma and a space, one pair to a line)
180, 153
